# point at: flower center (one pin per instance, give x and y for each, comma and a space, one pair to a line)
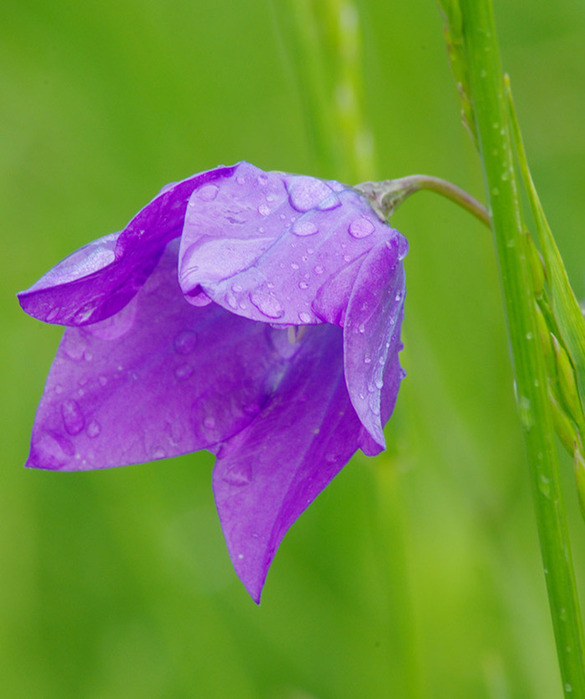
295, 333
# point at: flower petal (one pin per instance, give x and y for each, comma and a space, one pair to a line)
268, 474
99, 279
263, 244
371, 337
159, 378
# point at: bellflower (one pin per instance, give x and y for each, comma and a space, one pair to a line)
253, 314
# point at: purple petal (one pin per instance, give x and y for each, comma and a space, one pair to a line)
263, 244
101, 278
159, 378
268, 474
371, 337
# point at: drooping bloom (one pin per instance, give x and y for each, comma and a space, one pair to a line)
253, 314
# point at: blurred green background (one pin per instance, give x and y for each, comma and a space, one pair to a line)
416, 574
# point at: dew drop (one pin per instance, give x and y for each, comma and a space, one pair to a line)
158, 453
239, 475
303, 285
93, 429
304, 317
544, 486
72, 415
183, 372
306, 193
304, 227
103, 380
379, 383
185, 342
375, 403
402, 247
208, 192
361, 228
267, 305
209, 422
84, 313
74, 345
318, 269
263, 210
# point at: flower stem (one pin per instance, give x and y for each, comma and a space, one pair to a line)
387, 195
493, 128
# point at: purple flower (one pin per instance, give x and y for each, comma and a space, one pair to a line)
254, 314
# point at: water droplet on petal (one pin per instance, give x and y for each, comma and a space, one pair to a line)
361, 228
93, 429
72, 415
318, 269
306, 193
73, 345
379, 383
303, 285
185, 342
402, 247
158, 453
183, 372
239, 475
263, 210
267, 305
304, 227
56, 450
208, 192
209, 422
304, 317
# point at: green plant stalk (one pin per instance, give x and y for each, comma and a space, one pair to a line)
492, 122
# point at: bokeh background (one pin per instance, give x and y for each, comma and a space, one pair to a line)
416, 574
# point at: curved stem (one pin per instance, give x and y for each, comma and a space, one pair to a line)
387, 195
